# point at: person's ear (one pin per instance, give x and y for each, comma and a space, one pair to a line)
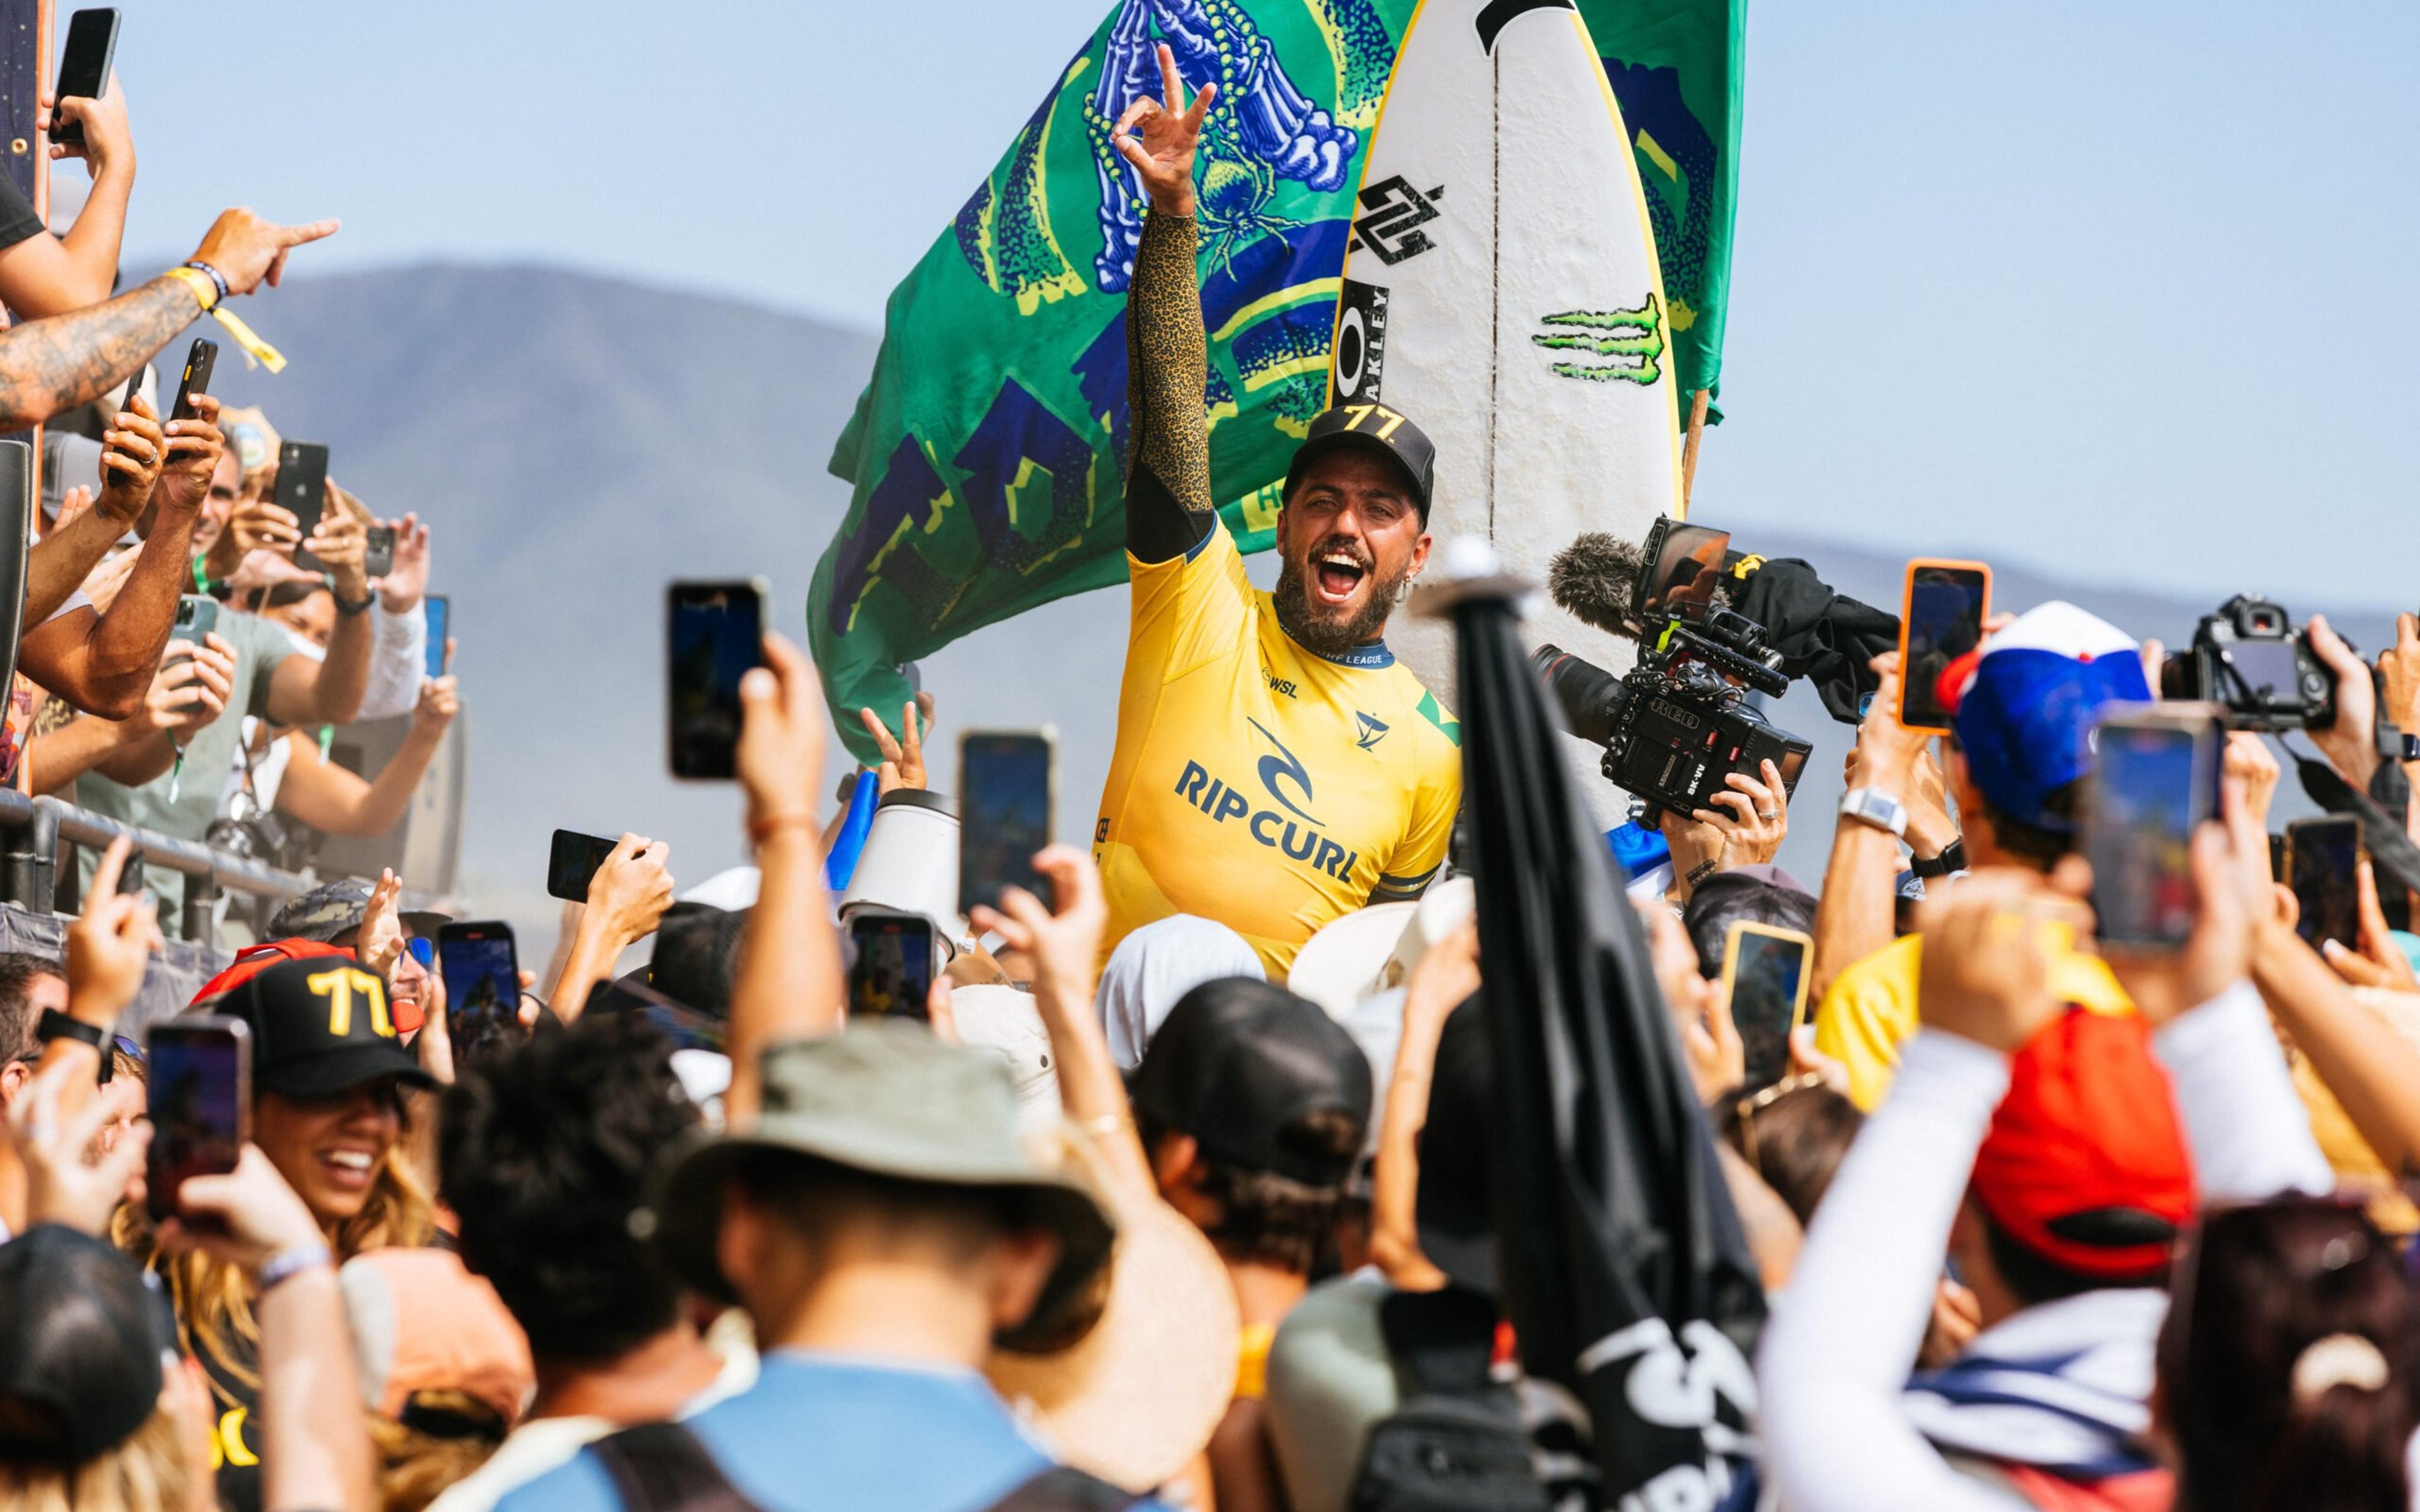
13, 1076
1420, 550
738, 1239
1021, 1267
1173, 1161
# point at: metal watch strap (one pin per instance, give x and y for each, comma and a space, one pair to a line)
1870, 806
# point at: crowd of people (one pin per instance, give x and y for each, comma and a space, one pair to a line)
1179, 1188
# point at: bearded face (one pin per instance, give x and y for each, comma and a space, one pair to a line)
1350, 541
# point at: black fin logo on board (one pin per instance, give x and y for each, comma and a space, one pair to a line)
1395, 213
1354, 377
1496, 14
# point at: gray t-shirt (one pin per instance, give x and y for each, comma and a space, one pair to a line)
198, 785
1331, 1382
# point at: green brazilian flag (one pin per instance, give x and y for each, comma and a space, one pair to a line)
987, 452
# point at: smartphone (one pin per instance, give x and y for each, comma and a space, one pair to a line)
2322, 858
891, 964
197, 615
84, 66
483, 986
2154, 783
1940, 620
714, 633
440, 614
303, 490
200, 1102
377, 557
574, 862
1006, 784
200, 358
1764, 977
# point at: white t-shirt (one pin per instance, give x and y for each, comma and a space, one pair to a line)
540, 1445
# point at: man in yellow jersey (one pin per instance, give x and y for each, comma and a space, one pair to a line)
1276, 767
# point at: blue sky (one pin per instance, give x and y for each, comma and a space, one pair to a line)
2122, 290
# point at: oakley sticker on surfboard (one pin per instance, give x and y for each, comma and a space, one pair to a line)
1501, 286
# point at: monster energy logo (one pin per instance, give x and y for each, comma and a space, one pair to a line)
1635, 336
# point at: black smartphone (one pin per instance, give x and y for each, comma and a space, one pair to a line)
1764, 977
200, 1102
377, 555
891, 964
303, 490
714, 633
1006, 784
201, 357
2322, 859
2153, 785
1941, 619
483, 986
440, 614
573, 863
84, 66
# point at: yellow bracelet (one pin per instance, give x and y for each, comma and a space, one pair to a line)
204, 290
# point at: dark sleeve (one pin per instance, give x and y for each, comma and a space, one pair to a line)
1169, 509
17, 218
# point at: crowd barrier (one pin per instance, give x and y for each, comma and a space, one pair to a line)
37, 834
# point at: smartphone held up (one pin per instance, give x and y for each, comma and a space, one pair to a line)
1007, 784
1764, 980
200, 1102
714, 634
2154, 783
1941, 620
483, 987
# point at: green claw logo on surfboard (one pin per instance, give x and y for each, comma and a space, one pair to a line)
1627, 335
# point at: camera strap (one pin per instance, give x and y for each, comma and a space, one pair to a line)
2390, 849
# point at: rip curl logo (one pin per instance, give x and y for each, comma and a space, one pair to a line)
1287, 828
1396, 213
1368, 730
1635, 338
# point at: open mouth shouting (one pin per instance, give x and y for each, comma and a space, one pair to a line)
1336, 576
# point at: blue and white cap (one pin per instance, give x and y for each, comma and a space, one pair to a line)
2025, 703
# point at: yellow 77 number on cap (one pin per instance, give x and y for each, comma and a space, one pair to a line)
338, 987
1389, 420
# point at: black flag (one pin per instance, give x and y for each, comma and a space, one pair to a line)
1622, 1266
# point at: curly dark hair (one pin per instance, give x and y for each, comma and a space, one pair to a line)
18, 969
1266, 1217
544, 1151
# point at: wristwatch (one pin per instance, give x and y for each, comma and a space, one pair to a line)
55, 1024
1952, 858
1872, 806
353, 606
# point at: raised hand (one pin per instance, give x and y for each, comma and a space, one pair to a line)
61, 1187
903, 758
110, 946
2350, 743
249, 251
440, 702
193, 447
378, 943
341, 545
189, 691
1985, 975
781, 754
1064, 938
631, 890
244, 1216
1158, 137
408, 582
1753, 816
108, 142
133, 451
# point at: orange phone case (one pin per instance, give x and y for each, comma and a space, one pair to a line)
1907, 593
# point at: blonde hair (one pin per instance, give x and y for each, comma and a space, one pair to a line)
213, 1299
415, 1466
148, 1472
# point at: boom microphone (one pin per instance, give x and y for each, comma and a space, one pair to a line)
1595, 580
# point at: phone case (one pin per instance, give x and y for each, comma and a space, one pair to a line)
1906, 596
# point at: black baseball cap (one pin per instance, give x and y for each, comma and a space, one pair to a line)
1239, 1064
82, 1339
313, 1041
1374, 428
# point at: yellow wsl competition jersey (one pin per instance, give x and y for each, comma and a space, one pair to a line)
1273, 789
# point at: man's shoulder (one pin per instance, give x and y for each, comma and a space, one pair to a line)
580, 1484
1880, 984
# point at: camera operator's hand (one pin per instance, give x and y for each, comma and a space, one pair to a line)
2401, 663
2351, 744
408, 584
1157, 136
108, 142
134, 452
194, 448
1754, 816
249, 251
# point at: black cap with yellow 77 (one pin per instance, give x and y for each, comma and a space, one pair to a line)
1374, 427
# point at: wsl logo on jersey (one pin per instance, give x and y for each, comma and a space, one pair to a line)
1286, 825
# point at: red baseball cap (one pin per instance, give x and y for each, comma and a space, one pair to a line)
253, 959
2085, 1164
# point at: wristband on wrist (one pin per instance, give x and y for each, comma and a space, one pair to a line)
354, 607
205, 291
1952, 858
289, 1263
216, 278
761, 830
1703, 871
55, 1024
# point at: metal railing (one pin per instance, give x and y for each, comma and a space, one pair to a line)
36, 834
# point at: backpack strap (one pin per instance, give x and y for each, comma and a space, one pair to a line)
1065, 1489
661, 1467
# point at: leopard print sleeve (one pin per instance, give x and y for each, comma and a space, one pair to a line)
1169, 509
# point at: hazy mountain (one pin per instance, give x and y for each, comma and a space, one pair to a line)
577, 440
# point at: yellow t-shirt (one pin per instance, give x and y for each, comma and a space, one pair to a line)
1255, 782
1871, 1008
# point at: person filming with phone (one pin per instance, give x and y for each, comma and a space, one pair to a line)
1276, 767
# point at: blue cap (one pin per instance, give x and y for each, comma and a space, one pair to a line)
2029, 700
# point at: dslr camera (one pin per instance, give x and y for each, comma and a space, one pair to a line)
1677, 723
2250, 660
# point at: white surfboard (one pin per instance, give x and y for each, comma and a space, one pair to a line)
1501, 290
